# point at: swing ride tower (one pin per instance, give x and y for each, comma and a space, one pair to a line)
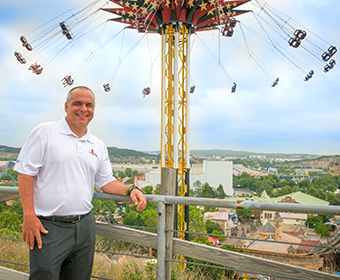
176, 21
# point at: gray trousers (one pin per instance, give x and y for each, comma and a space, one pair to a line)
67, 251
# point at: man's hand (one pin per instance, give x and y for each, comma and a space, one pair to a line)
138, 199
119, 188
31, 229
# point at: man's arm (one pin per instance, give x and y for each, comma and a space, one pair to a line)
116, 187
32, 226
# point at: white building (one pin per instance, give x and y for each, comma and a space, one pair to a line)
214, 173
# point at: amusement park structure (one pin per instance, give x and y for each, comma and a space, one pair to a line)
176, 21
297, 176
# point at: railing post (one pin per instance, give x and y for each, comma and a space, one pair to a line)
160, 241
168, 187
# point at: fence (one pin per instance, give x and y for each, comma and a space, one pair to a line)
167, 246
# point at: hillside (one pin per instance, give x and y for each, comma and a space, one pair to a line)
331, 163
117, 152
11, 152
230, 153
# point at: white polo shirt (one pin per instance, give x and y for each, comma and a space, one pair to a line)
66, 168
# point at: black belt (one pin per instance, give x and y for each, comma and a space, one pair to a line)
64, 219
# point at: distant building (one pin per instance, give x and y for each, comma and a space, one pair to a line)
226, 220
139, 177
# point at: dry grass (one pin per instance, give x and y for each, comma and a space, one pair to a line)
16, 252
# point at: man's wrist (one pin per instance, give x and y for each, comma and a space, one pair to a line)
130, 189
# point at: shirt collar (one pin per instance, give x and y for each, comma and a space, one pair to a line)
64, 128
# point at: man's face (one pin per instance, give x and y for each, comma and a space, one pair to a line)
80, 110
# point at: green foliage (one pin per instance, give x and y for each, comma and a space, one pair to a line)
220, 192
103, 207
13, 173
10, 224
16, 207
211, 226
130, 181
3, 206
229, 247
133, 219
116, 152
97, 205
196, 224
150, 218
209, 209
128, 172
148, 189
133, 272
322, 187
313, 220
244, 213
217, 232
121, 174
205, 190
322, 229
157, 189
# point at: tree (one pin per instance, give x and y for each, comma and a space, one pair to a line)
150, 218
130, 181
322, 229
157, 189
121, 174
284, 191
209, 209
133, 219
220, 192
332, 198
97, 205
128, 172
207, 191
196, 224
244, 213
211, 226
311, 190
197, 188
134, 173
313, 220
109, 206
148, 189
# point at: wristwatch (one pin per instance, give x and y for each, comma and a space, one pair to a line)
130, 188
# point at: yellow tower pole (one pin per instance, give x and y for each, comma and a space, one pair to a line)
175, 104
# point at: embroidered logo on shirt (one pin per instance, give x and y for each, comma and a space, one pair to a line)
93, 153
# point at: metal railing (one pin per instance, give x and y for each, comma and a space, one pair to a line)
167, 246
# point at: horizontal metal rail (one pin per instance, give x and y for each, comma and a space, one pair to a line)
222, 203
211, 202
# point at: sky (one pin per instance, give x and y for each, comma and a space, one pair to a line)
296, 116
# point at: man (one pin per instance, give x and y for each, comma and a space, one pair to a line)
59, 166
